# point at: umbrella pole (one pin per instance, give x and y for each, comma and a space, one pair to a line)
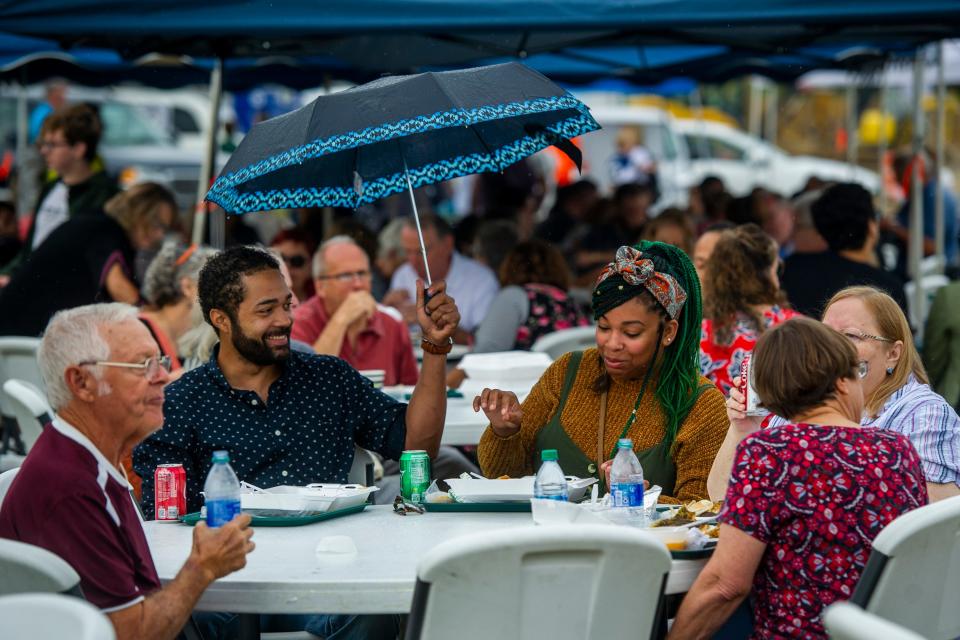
416, 218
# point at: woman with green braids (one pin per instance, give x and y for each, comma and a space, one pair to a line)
642, 381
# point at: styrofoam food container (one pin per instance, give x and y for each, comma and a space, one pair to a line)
674, 537
311, 498
511, 490
559, 512
505, 365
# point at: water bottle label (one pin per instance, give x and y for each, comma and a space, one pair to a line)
220, 512
627, 494
561, 497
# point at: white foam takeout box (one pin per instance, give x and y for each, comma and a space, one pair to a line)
313, 498
510, 490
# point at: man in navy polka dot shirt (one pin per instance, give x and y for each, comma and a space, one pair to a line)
286, 418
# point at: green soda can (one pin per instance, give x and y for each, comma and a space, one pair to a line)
414, 475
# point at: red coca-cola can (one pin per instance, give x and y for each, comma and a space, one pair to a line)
170, 492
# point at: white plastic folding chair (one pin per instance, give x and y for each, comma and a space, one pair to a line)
29, 406
25, 568
362, 470
18, 359
48, 616
557, 582
6, 479
845, 621
565, 340
912, 577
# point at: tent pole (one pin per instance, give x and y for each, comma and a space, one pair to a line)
882, 151
941, 125
416, 218
851, 100
209, 159
755, 106
24, 193
915, 248
770, 120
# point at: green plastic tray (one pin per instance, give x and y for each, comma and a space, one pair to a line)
694, 554
474, 507
286, 521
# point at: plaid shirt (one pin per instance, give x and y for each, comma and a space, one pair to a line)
922, 415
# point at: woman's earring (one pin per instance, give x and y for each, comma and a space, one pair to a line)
889, 371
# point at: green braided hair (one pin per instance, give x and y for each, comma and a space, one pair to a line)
680, 361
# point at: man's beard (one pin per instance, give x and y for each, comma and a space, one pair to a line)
258, 351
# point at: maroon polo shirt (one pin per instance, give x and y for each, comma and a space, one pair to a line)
383, 344
68, 499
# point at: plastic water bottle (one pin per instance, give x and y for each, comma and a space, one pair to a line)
221, 491
626, 482
550, 483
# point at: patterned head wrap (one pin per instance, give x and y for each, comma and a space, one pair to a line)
620, 279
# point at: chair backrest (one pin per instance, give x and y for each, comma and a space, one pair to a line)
29, 406
47, 616
363, 467
25, 568
565, 340
18, 359
6, 479
846, 621
912, 577
558, 582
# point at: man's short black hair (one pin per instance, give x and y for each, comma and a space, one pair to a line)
842, 216
221, 279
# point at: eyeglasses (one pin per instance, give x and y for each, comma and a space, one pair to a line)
863, 368
297, 261
150, 367
401, 507
858, 336
348, 276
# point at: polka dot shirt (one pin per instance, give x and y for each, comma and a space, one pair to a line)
315, 412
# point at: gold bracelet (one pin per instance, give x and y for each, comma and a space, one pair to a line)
437, 349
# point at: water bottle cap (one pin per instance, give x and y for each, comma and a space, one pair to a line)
221, 456
625, 443
548, 454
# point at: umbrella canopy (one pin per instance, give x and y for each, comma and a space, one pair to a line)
398, 133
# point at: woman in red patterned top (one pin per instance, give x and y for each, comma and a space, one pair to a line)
805, 499
741, 300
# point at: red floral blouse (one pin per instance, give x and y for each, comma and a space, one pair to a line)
817, 496
720, 363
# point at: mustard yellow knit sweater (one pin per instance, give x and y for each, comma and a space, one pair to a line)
697, 443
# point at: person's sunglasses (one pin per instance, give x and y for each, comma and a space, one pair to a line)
150, 367
402, 507
295, 262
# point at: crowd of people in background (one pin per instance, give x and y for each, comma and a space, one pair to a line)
679, 298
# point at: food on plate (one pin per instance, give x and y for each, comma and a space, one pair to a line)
704, 508
678, 517
503, 477
711, 530
439, 497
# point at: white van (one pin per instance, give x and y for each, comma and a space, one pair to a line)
745, 162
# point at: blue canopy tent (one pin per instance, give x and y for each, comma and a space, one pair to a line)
377, 36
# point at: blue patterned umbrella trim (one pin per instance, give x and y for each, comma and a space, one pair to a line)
389, 131
225, 194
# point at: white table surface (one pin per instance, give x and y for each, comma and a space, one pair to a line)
285, 575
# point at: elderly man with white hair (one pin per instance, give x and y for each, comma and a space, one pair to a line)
105, 379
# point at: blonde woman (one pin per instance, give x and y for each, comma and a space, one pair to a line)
896, 390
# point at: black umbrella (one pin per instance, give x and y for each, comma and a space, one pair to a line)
399, 133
